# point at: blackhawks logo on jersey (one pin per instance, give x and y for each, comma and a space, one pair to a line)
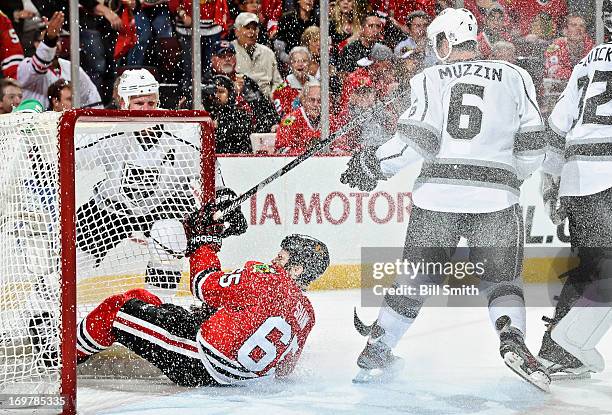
263, 269
287, 121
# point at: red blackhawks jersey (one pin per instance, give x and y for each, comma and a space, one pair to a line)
262, 322
11, 52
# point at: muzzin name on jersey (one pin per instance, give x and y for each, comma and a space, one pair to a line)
464, 69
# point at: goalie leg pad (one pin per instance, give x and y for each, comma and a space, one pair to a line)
581, 330
166, 243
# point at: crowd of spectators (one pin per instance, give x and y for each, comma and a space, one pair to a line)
260, 58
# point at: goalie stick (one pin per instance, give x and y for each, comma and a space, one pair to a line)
360, 119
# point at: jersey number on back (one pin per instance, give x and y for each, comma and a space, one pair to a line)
457, 109
259, 340
589, 109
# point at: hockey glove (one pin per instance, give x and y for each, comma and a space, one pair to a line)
363, 170
236, 223
550, 196
201, 229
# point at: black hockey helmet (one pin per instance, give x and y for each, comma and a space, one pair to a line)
308, 252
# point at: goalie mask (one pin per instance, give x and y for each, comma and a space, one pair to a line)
458, 26
308, 252
136, 82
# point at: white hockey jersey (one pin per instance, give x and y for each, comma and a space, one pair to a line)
580, 139
477, 127
35, 75
144, 168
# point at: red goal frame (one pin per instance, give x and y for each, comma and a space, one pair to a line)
67, 209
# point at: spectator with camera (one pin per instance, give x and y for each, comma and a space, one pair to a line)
416, 28
248, 94
232, 124
494, 31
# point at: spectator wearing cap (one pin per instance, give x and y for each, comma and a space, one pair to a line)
286, 96
378, 66
416, 28
214, 17
60, 96
361, 97
371, 32
253, 59
255, 7
37, 73
565, 52
248, 94
10, 95
232, 124
494, 31
292, 25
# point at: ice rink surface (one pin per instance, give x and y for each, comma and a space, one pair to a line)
452, 366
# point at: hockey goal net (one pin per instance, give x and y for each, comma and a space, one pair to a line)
84, 200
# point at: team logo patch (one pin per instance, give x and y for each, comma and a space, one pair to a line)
264, 269
287, 121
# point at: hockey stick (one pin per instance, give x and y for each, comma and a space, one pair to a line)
360, 119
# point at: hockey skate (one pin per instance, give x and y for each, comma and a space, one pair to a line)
518, 358
376, 361
561, 364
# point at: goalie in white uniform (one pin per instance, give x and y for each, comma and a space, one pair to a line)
150, 178
477, 128
580, 164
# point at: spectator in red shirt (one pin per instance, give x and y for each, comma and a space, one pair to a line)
565, 52
494, 31
286, 96
301, 128
11, 52
522, 13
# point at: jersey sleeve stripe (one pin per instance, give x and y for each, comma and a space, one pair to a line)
590, 151
557, 130
525, 89
420, 137
457, 173
199, 280
530, 142
87, 338
426, 105
11, 61
83, 344
555, 141
218, 355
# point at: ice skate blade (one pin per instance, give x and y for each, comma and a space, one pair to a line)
559, 374
538, 379
379, 375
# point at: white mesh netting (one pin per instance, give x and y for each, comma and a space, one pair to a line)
132, 180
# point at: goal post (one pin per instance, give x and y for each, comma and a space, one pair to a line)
137, 171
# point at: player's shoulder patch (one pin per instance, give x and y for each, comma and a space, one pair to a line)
288, 120
263, 268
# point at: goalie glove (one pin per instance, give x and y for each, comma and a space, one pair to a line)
363, 170
550, 196
236, 223
202, 229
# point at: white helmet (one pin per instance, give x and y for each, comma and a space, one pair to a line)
136, 82
458, 25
